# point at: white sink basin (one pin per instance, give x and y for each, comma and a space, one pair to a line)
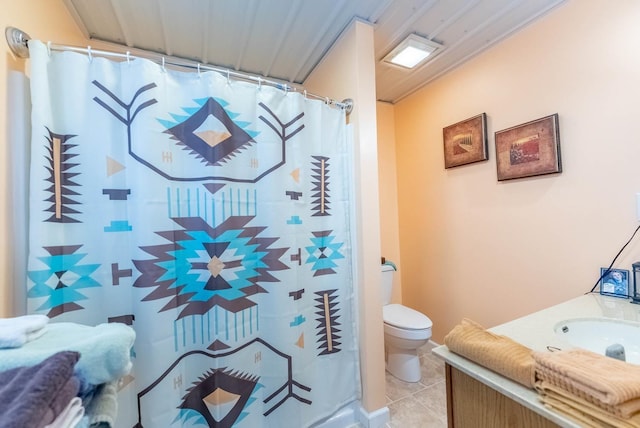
597, 334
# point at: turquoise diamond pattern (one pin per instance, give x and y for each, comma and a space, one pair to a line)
60, 281
324, 253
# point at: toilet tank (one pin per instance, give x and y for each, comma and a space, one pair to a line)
387, 283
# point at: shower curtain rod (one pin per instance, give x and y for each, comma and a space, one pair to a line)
18, 42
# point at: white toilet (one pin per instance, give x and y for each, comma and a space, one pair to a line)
405, 330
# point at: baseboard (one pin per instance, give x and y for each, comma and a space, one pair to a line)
376, 419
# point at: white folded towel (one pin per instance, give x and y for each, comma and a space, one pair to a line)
15, 332
70, 417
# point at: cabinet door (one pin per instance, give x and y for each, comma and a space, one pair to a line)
472, 404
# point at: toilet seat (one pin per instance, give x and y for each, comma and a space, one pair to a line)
405, 318
405, 333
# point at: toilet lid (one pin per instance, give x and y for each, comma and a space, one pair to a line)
404, 317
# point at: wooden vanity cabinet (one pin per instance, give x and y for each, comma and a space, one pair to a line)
472, 404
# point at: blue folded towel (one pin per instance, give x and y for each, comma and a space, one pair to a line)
27, 393
105, 350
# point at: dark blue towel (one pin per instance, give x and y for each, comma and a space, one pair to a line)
29, 396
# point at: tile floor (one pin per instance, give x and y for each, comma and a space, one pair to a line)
422, 404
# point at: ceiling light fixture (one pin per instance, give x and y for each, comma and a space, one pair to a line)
412, 51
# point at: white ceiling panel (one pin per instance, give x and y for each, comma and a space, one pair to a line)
286, 39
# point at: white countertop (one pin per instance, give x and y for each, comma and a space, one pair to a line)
536, 331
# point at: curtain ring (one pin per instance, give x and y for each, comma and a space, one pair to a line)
327, 101
228, 77
259, 83
89, 53
49, 47
305, 94
128, 57
163, 69
198, 69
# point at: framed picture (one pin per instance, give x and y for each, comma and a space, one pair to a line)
465, 142
530, 149
614, 282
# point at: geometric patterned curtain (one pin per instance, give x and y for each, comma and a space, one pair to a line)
210, 215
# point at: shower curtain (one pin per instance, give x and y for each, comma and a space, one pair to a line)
211, 215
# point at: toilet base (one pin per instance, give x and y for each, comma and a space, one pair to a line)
404, 364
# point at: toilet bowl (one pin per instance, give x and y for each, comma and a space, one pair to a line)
405, 330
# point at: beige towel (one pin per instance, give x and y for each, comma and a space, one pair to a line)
584, 420
623, 410
498, 353
550, 380
585, 412
588, 374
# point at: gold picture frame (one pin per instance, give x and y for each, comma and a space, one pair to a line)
530, 149
465, 142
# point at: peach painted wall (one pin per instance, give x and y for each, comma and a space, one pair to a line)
348, 71
494, 251
389, 244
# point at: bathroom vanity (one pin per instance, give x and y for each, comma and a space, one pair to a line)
478, 397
